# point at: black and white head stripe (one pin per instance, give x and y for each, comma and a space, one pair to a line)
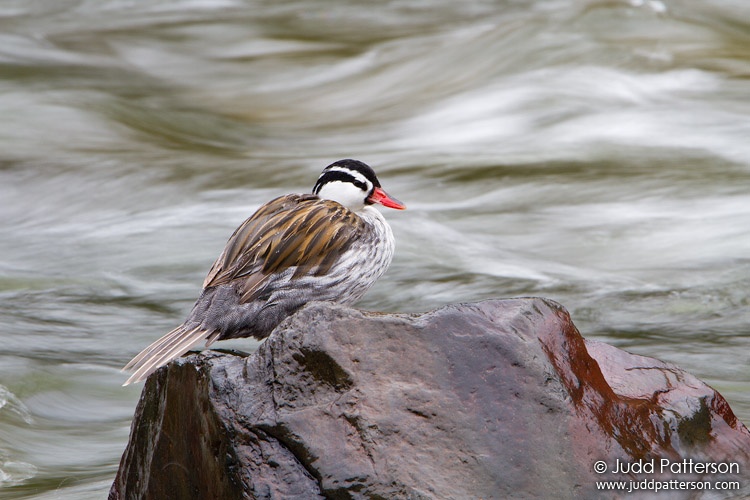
352, 171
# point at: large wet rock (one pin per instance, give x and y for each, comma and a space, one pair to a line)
497, 399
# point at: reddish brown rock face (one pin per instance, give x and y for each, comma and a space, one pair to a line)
489, 400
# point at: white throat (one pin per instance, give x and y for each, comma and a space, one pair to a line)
345, 193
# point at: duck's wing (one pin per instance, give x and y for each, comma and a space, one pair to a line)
293, 231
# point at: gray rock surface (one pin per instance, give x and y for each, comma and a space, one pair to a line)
497, 399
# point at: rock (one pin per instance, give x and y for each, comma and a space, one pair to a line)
497, 399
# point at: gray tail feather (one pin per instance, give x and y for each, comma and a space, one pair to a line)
170, 346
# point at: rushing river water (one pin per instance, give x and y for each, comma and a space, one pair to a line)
593, 152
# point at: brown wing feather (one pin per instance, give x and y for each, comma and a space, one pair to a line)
299, 231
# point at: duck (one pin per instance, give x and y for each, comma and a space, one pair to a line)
329, 245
